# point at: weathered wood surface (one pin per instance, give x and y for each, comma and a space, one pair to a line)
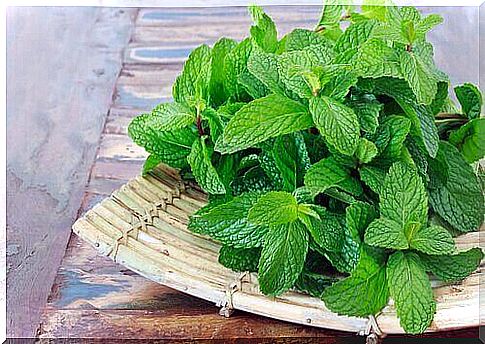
96, 298
62, 64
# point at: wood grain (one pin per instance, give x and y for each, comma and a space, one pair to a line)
62, 66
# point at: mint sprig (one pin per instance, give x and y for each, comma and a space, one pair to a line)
330, 150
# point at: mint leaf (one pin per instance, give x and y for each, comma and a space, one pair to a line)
470, 98
403, 198
421, 116
274, 208
433, 240
216, 124
347, 258
263, 32
170, 116
372, 176
219, 52
458, 199
170, 147
470, 139
235, 64
355, 35
314, 284
367, 109
375, 59
358, 216
227, 223
302, 38
426, 24
327, 230
150, 163
337, 123
282, 258
240, 259
453, 268
205, 174
364, 292
391, 135
420, 78
328, 173
366, 151
331, 15
410, 288
262, 119
192, 84
386, 233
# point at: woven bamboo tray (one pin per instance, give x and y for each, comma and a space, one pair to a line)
143, 226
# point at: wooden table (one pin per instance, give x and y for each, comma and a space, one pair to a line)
92, 297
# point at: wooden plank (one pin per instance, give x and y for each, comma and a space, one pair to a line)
120, 147
192, 34
196, 16
62, 65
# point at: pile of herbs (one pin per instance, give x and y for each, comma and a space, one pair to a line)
335, 160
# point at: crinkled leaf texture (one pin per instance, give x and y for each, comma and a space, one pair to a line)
282, 258
455, 267
240, 259
470, 98
457, 196
411, 291
262, 119
228, 222
274, 208
336, 122
365, 292
470, 139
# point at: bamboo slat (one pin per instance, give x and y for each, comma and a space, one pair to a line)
143, 226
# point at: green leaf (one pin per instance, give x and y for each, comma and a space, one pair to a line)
358, 216
274, 208
328, 173
459, 199
420, 78
240, 259
391, 135
367, 109
327, 230
403, 198
263, 32
355, 35
170, 116
265, 67
150, 163
262, 119
219, 52
253, 86
470, 139
227, 223
364, 292
386, 233
433, 240
373, 176
366, 151
216, 125
205, 174
426, 24
470, 99
421, 116
314, 284
376, 59
337, 123
331, 14
171, 147
235, 64
299, 39
410, 288
192, 84
282, 258
453, 268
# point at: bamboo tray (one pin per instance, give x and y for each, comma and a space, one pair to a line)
143, 226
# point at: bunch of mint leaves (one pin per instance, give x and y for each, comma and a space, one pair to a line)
335, 160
